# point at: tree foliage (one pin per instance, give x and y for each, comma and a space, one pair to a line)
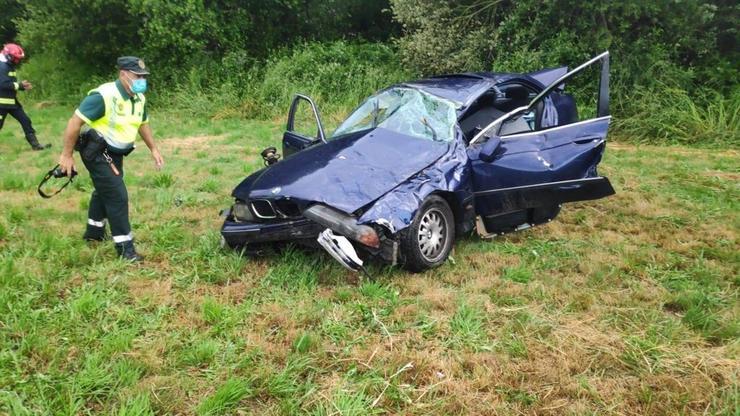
196, 47
177, 35
11, 10
682, 41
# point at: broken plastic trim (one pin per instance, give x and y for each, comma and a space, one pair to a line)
343, 224
341, 249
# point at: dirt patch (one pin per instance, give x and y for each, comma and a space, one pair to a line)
166, 392
192, 143
233, 293
730, 176
670, 149
156, 291
44, 104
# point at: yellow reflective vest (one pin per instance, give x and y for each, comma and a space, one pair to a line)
123, 116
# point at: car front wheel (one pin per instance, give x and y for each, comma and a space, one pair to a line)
427, 242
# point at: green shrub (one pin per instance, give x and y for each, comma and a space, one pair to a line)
670, 114
337, 75
665, 58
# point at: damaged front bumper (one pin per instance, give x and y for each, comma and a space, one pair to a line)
331, 228
239, 233
341, 249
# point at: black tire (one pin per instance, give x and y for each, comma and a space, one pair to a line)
427, 242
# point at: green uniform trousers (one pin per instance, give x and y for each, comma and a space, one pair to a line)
109, 200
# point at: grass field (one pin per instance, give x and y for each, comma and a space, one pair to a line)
625, 306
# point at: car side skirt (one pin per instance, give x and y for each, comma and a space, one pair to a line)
505, 200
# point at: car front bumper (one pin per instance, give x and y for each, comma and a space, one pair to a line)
241, 233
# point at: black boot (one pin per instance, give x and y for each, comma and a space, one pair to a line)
93, 233
127, 251
34, 142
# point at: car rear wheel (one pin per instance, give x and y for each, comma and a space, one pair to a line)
427, 242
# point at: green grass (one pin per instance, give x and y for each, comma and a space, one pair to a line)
627, 305
225, 398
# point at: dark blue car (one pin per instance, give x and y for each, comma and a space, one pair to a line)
422, 162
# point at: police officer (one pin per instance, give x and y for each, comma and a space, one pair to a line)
10, 57
114, 113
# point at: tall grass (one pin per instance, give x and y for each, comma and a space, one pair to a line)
337, 75
670, 115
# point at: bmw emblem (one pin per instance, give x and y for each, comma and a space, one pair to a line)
276, 190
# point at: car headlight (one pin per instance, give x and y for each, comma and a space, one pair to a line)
241, 211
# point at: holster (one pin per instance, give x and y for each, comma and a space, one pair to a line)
90, 144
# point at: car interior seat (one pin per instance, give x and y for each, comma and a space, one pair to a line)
480, 115
516, 96
567, 109
565, 105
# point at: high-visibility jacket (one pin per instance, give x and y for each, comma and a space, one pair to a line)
123, 116
9, 86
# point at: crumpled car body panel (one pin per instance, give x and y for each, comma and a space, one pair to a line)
568, 153
397, 208
545, 156
347, 173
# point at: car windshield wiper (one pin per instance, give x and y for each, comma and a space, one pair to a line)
426, 123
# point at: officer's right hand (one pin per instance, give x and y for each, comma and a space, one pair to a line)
66, 164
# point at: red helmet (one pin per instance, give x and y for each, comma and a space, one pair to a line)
13, 52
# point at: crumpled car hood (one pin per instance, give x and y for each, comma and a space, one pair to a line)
347, 173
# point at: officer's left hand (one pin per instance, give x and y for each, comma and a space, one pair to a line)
26, 85
158, 160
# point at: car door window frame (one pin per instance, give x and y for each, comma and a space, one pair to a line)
292, 112
602, 105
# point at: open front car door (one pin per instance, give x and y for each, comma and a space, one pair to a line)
304, 126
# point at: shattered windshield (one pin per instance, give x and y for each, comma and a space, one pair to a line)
404, 110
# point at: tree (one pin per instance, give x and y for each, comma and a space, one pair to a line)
689, 42
11, 11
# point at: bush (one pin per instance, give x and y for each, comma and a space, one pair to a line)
337, 75
670, 114
666, 58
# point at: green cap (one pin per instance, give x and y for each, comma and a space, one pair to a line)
133, 64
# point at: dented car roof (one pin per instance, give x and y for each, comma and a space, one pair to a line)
466, 87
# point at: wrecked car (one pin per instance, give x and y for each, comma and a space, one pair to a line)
420, 163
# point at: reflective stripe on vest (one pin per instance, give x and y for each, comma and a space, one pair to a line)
122, 118
10, 101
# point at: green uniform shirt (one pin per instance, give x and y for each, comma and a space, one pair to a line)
92, 107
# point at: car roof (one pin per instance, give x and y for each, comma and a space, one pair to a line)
464, 88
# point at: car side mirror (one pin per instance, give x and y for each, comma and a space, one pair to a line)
488, 149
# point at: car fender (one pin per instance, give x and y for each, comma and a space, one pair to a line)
396, 209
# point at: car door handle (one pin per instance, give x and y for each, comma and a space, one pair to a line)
586, 140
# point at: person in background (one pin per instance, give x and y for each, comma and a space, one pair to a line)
10, 57
115, 113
